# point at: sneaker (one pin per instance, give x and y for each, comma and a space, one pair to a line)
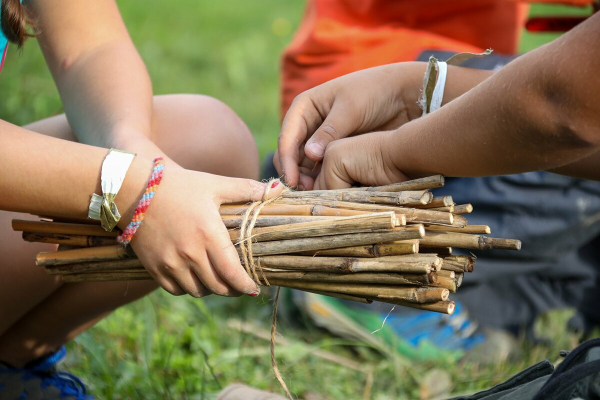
40, 380
415, 334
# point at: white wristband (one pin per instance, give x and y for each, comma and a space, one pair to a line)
114, 169
440, 84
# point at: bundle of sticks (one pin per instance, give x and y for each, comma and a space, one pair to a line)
391, 244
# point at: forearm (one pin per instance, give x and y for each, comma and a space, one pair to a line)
534, 114
107, 96
47, 176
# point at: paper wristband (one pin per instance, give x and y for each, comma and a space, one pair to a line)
440, 84
114, 169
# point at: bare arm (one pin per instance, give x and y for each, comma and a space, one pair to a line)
103, 83
537, 113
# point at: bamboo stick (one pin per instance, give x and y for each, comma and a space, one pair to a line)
447, 273
459, 279
463, 209
466, 241
83, 255
414, 264
444, 307
62, 228
107, 253
458, 263
353, 224
234, 221
98, 266
477, 229
438, 201
370, 251
342, 296
294, 210
410, 198
410, 294
445, 282
69, 240
449, 209
359, 277
430, 182
332, 242
413, 215
141, 275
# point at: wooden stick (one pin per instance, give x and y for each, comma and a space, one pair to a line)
62, 228
294, 210
476, 242
459, 279
410, 294
353, 224
359, 277
99, 266
463, 209
332, 242
370, 251
410, 198
449, 209
342, 296
458, 263
444, 307
430, 182
69, 240
234, 221
413, 215
141, 275
440, 251
447, 273
445, 282
438, 201
479, 229
83, 255
413, 264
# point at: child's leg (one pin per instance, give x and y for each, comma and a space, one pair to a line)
41, 314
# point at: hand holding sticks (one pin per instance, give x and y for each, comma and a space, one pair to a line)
391, 244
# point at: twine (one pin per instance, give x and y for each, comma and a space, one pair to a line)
253, 267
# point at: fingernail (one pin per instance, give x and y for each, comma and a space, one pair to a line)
274, 184
255, 293
300, 187
315, 148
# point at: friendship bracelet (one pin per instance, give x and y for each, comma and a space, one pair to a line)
138, 215
114, 168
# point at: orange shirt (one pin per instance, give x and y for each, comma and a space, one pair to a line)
337, 37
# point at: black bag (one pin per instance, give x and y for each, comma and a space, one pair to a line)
577, 377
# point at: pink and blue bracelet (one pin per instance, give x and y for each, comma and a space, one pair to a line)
140, 211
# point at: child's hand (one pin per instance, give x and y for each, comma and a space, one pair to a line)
374, 99
363, 160
183, 243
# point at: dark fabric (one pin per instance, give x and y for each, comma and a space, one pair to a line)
578, 376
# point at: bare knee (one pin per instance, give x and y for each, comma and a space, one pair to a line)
204, 134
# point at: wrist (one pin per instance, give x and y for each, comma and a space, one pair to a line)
410, 81
133, 188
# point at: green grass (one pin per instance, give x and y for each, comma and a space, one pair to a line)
164, 347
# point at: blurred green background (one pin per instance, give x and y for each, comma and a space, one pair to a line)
164, 347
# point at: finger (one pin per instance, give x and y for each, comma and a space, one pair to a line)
238, 190
185, 276
164, 280
298, 124
226, 262
335, 173
337, 125
203, 270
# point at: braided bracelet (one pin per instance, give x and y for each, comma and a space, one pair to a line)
138, 215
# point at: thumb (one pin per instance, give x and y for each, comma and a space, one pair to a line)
335, 126
238, 190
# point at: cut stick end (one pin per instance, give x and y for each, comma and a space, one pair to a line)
426, 198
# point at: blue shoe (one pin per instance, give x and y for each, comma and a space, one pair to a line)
416, 334
40, 380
